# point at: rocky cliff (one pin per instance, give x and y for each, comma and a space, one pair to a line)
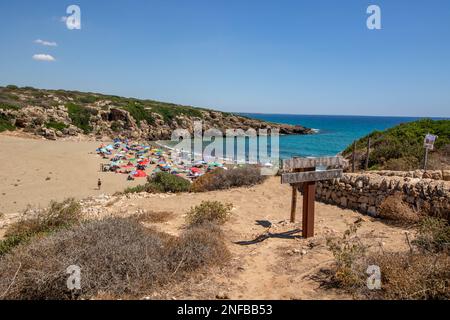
57, 113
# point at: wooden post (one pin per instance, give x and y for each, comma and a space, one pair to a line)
354, 156
293, 202
294, 198
367, 155
425, 160
309, 198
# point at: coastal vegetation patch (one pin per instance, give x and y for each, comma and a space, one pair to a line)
5, 123
80, 116
162, 182
60, 126
401, 147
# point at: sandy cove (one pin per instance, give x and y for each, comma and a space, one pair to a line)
273, 269
35, 171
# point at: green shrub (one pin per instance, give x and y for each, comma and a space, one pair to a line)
209, 211
5, 123
162, 182
80, 117
139, 113
6, 106
167, 182
88, 99
220, 179
116, 126
56, 125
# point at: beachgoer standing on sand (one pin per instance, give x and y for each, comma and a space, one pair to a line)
99, 184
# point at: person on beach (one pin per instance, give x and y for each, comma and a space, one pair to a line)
99, 184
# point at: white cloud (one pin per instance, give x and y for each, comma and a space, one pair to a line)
46, 43
64, 19
43, 57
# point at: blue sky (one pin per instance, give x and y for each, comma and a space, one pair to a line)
286, 56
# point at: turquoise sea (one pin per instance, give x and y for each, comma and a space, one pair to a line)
334, 134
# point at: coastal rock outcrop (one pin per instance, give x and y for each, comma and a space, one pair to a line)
58, 114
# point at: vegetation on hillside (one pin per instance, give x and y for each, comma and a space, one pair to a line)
14, 98
401, 147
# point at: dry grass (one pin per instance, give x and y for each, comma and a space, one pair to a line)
155, 217
395, 210
420, 273
413, 276
433, 235
348, 251
40, 222
118, 257
209, 211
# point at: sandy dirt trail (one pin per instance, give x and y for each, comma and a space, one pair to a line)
270, 269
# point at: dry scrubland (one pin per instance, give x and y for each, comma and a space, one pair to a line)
155, 246
175, 246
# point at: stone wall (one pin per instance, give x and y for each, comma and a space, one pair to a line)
365, 192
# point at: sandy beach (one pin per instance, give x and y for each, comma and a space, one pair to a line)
36, 171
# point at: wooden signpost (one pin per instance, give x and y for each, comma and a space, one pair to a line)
303, 174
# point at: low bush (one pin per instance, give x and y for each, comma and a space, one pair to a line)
412, 276
347, 252
118, 257
160, 183
220, 179
423, 272
209, 211
167, 182
58, 215
5, 124
433, 235
402, 164
56, 125
394, 209
198, 246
